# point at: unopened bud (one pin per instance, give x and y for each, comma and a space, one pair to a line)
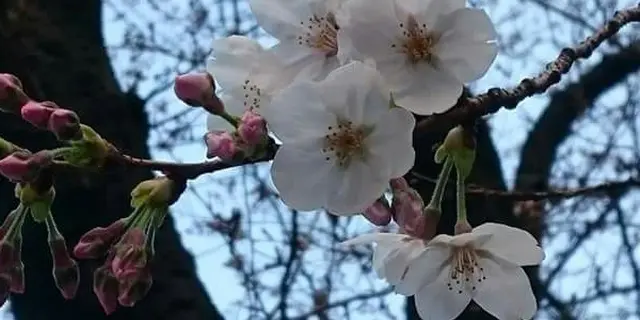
379, 213
12, 96
37, 113
221, 144
135, 289
97, 241
131, 256
105, 287
65, 124
65, 269
198, 90
22, 166
252, 128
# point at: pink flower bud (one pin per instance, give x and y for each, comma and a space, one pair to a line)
65, 124
220, 144
252, 128
97, 241
65, 269
399, 184
134, 289
17, 278
37, 114
11, 95
105, 287
198, 90
131, 254
16, 274
379, 213
5, 287
21, 166
7, 256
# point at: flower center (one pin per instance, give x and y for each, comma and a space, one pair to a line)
465, 272
251, 95
417, 42
321, 34
345, 143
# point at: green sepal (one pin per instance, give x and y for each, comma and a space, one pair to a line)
40, 210
463, 159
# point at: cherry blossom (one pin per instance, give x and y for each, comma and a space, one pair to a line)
341, 142
425, 50
446, 273
307, 30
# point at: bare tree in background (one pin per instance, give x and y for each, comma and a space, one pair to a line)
570, 177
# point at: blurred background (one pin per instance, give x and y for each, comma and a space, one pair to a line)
232, 250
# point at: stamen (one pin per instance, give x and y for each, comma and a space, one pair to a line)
322, 34
251, 95
466, 273
345, 143
418, 42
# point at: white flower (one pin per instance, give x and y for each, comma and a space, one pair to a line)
341, 142
446, 273
248, 75
307, 30
425, 49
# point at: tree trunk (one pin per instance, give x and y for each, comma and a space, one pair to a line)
56, 48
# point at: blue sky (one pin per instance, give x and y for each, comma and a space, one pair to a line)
210, 250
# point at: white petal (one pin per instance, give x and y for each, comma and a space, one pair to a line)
281, 18
297, 113
515, 245
463, 48
356, 187
356, 92
436, 302
397, 262
377, 237
392, 141
299, 172
295, 58
381, 254
423, 270
423, 89
506, 292
232, 60
373, 27
430, 11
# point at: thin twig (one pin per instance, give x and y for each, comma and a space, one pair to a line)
614, 187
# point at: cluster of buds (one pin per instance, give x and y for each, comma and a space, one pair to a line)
36, 202
250, 134
128, 244
407, 209
47, 115
248, 140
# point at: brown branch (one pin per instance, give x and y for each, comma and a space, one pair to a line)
466, 109
496, 98
614, 187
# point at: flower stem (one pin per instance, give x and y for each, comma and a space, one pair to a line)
460, 197
231, 119
438, 192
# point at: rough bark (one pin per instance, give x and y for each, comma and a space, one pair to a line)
56, 48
